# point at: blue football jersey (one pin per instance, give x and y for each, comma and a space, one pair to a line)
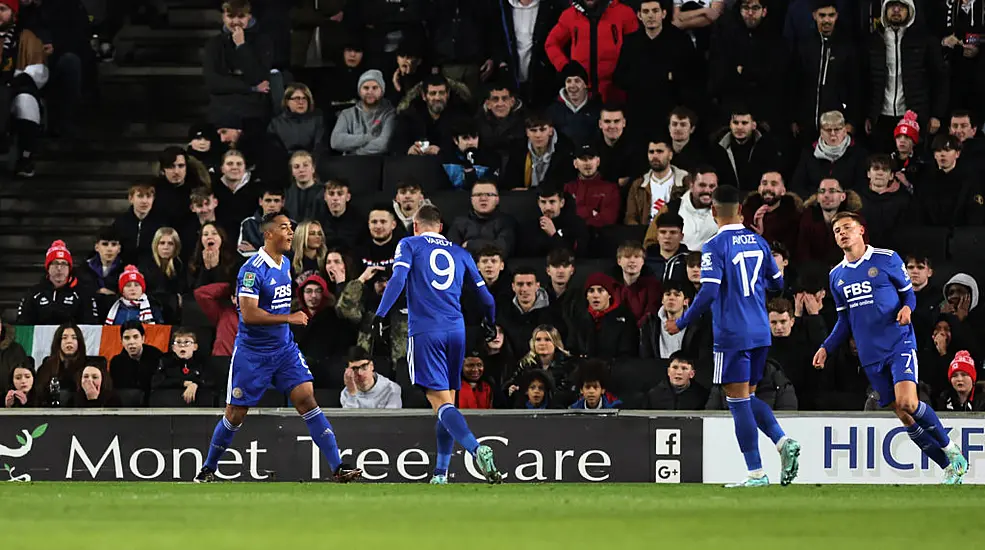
436, 270
739, 263
270, 284
872, 291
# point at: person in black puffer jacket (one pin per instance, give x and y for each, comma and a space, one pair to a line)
679, 391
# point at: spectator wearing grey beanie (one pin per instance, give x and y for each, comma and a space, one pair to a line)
365, 128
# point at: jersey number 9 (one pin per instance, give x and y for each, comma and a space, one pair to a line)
748, 282
447, 273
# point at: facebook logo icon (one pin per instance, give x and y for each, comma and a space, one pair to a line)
668, 442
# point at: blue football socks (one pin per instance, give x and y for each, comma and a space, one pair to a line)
454, 422
927, 419
446, 444
222, 437
746, 433
323, 436
928, 445
765, 419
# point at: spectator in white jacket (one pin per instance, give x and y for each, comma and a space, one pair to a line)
364, 388
365, 128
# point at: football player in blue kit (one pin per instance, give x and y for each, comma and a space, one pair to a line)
265, 353
874, 298
737, 266
434, 270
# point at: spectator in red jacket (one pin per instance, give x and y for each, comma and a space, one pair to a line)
639, 289
772, 212
597, 50
596, 201
218, 304
476, 392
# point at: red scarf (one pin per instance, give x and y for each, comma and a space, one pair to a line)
598, 315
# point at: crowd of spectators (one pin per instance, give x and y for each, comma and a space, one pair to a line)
573, 148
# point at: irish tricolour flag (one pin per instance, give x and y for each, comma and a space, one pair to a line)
101, 340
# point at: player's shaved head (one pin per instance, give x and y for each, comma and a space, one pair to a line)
427, 218
270, 220
726, 200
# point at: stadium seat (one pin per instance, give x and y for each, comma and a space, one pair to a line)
383, 366
632, 400
328, 398
633, 375
192, 316
452, 204
363, 173
931, 241
584, 268
425, 170
130, 398
362, 204
966, 247
610, 237
522, 205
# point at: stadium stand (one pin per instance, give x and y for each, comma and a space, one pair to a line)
170, 80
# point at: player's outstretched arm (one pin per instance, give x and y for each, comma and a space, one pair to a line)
839, 334
254, 315
393, 289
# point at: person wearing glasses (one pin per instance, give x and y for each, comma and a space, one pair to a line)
182, 376
485, 225
815, 240
835, 155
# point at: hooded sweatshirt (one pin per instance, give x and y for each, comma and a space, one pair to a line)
968, 281
385, 394
893, 100
359, 131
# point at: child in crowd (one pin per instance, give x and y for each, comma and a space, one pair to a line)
134, 304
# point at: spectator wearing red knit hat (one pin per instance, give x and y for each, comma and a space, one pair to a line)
608, 328
906, 163
961, 395
134, 304
59, 298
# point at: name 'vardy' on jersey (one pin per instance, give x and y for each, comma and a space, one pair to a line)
871, 291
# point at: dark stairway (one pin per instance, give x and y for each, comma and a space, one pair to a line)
151, 94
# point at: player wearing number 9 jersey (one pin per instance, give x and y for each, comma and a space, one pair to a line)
737, 266
433, 269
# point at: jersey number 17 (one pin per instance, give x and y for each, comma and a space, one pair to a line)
748, 280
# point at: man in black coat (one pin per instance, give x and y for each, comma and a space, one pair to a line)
743, 154
523, 28
59, 298
826, 73
544, 158
485, 224
424, 125
557, 227
134, 367
918, 81
607, 330
746, 61
237, 65
798, 330
949, 195
884, 203
461, 40
679, 391
656, 68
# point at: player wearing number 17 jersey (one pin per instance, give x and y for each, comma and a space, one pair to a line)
737, 266
434, 269
874, 299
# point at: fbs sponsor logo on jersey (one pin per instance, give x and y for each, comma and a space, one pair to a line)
668, 443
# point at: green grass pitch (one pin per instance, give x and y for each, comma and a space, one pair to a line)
289, 516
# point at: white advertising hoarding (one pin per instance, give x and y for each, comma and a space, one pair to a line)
843, 450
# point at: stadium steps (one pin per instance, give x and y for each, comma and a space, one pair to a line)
148, 100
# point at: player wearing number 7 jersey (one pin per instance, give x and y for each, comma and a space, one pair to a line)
737, 266
434, 269
874, 299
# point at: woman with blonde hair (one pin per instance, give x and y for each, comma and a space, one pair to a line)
547, 353
164, 273
309, 250
300, 126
